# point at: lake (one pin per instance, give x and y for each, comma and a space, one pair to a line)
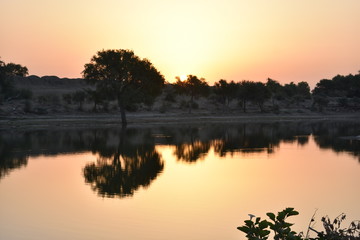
174, 182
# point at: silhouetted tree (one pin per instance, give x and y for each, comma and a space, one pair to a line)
245, 93
124, 76
7, 72
339, 86
303, 89
226, 91
79, 97
193, 87
95, 96
16, 69
290, 89
260, 93
256, 92
275, 89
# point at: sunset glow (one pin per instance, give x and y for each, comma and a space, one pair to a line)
300, 40
183, 77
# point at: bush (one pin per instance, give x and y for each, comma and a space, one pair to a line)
260, 229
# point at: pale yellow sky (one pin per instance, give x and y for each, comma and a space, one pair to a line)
287, 40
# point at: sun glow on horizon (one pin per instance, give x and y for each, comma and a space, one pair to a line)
183, 77
233, 40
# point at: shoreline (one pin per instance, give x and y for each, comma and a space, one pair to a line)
159, 119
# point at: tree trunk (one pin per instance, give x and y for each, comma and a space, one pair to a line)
122, 112
261, 107
191, 103
123, 116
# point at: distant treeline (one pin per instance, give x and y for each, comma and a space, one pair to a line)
341, 93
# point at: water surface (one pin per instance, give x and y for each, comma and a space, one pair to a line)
179, 182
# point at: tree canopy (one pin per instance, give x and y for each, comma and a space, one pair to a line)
7, 71
339, 86
124, 76
193, 87
226, 91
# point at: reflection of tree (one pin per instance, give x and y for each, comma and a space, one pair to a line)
257, 137
338, 136
9, 158
192, 143
122, 170
191, 152
8, 164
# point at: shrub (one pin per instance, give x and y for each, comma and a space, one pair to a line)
260, 229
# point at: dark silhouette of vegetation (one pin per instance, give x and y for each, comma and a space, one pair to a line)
192, 87
122, 170
96, 96
13, 69
7, 88
256, 92
343, 91
79, 97
191, 143
245, 93
261, 94
275, 90
260, 229
225, 91
339, 86
122, 75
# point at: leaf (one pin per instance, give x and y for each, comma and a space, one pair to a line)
271, 216
281, 216
249, 223
293, 213
244, 229
288, 210
288, 224
264, 233
263, 224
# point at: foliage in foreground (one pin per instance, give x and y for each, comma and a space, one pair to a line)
260, 229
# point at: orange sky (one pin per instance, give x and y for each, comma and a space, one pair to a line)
298, 40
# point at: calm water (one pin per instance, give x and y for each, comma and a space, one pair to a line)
179, 182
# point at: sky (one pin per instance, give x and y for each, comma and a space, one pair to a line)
286, 40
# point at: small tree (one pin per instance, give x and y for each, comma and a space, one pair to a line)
16, 69
260, 93
245, 93
225, 91
95, 96
123, 75
275, 89
7, 71
79, 97
193, 87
